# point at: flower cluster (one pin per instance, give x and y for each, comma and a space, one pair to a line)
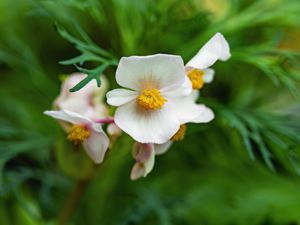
157, 99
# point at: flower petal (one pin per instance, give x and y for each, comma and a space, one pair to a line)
149, 164
208, 75
147, 126
183, 90
141, 152
97, 144
113, 130
158, 71
216, 48
120, 96
143, 168
189, 112
68, 116
206, 116
88, 101
186, 108
138, 171
162, 148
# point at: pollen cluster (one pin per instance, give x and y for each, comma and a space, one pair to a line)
78, 134
179, 135
151, 99
196, 77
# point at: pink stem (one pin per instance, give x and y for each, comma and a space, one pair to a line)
105, 120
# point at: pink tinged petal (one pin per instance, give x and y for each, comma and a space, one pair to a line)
158, 71
217, 48
68, 116
208, 76
97, 143
206, 116
142, 168
86, 100
70, 82
138, 171
142, 152
120, 96
67, 100
147, 126
162, 148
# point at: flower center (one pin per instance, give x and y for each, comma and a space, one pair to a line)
78, 134
151, 99
196, 77
179, 134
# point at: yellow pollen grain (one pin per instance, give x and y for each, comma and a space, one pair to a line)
179, 136
78, 134
151, 99
196, 77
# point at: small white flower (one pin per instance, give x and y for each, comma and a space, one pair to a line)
187, 110
147, 111
88, 101
197, 68
82, 130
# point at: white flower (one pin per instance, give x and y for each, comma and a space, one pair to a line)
187, 110
197, 68
88, 101
147, 111
82, 130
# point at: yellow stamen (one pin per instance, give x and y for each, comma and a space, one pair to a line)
196, 77
78, 134
151, 99
179, 134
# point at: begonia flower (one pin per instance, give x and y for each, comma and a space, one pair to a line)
82, 130
146, 109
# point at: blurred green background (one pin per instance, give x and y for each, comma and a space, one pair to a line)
243, 168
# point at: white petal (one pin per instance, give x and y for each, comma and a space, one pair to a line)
147, 126
216, 48
162, 148
149, 164
113, 130
158, 71
206, 116
183, 90
97, 144
137, 171
68, 116
190, 112
186, 108
120, 96
208, 75
194, 95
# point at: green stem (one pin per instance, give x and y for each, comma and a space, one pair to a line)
72, 201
